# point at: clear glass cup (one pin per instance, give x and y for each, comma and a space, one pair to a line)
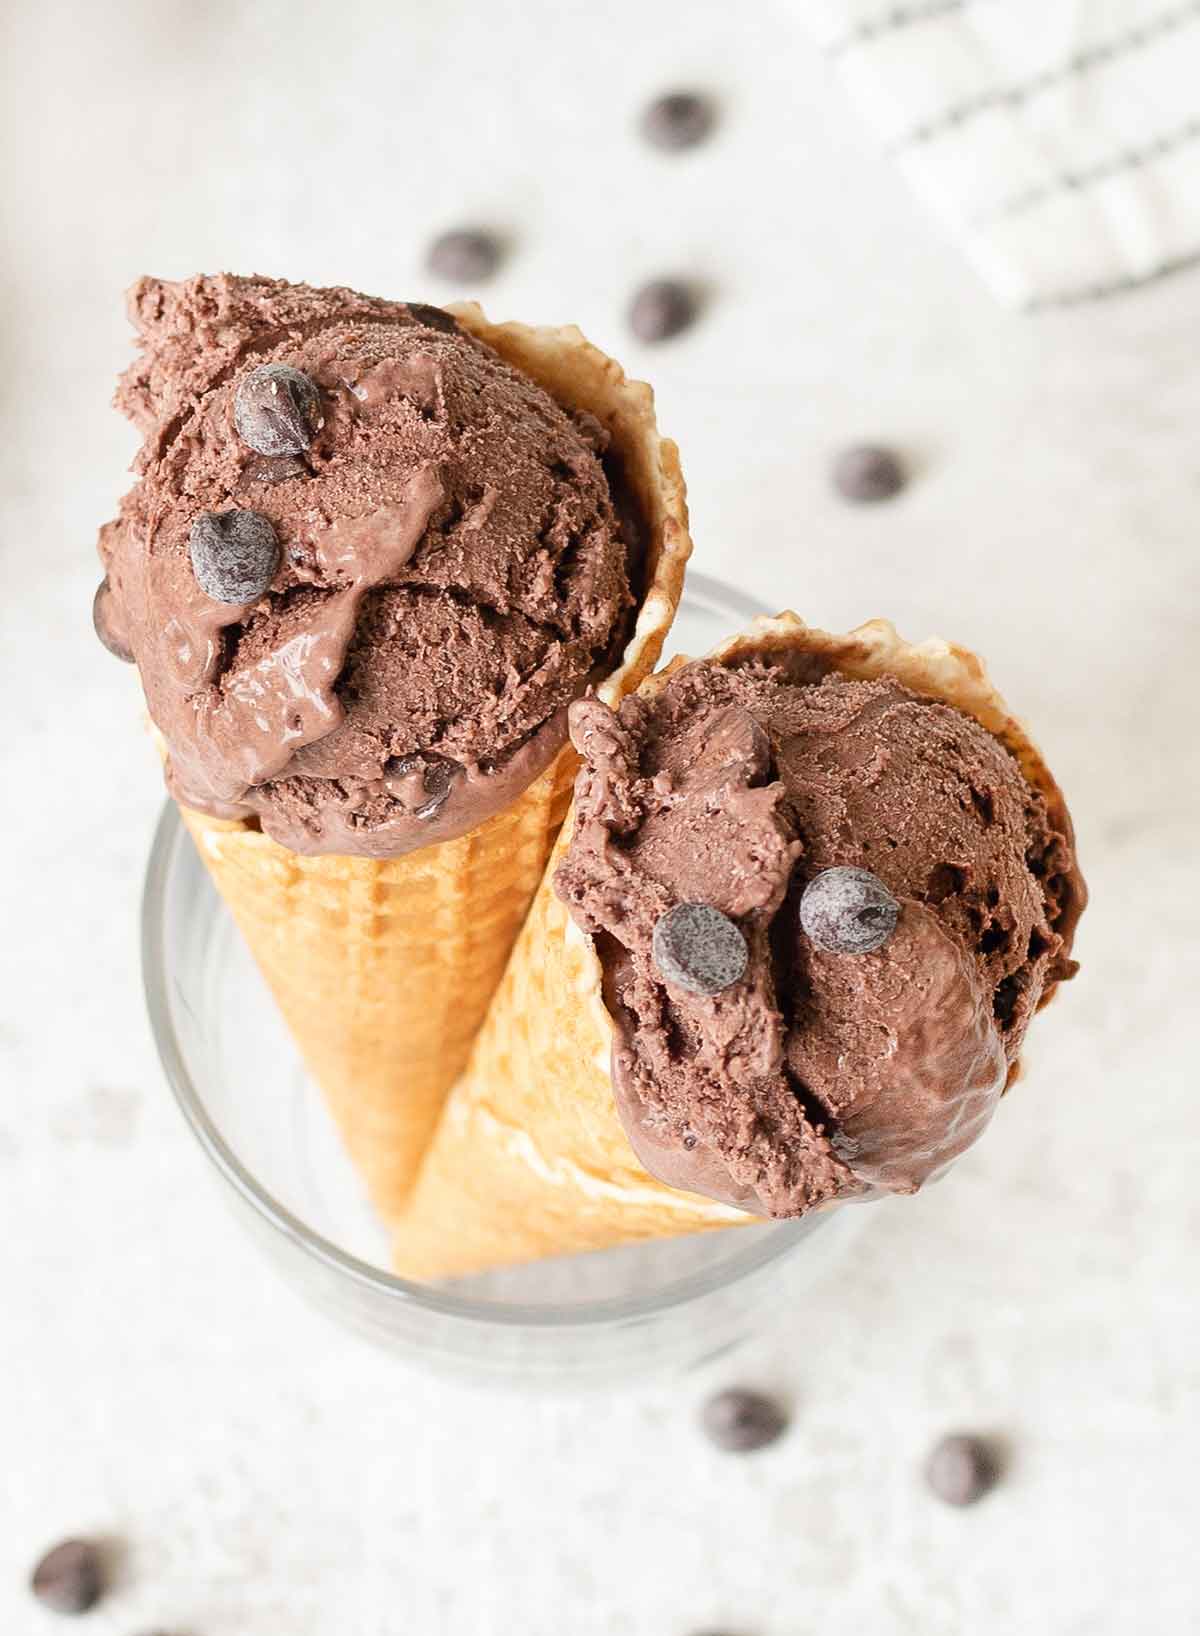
240, 1083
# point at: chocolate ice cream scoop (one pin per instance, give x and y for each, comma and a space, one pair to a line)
366, 566
904, 884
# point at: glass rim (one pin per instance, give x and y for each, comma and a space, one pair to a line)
169, 835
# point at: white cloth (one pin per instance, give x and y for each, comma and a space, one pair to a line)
1059, 140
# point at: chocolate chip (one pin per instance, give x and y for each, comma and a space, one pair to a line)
739, 1421
234, 554
70, 1578
273, 468
105, 625
422, 783
465, 255
680, 119
662, 308
433, 317
848, 911
866, 473
277, 410
698, 949
961, 1469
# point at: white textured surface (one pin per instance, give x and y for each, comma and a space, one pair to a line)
271, 1475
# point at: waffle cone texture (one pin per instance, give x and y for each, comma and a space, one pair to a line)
530, 1158
383, 968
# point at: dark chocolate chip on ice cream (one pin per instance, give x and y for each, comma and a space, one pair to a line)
699, 949
848, 911
277, 410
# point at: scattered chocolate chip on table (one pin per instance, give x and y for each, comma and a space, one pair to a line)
678, 120
464, 255
961, 1469
70, 1577
740, 1421
660, 309
866, 473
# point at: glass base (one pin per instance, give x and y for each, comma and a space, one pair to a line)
263, 1122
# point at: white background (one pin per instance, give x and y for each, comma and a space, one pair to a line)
272, 1477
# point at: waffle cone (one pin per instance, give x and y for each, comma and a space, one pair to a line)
383, 968
530, 1158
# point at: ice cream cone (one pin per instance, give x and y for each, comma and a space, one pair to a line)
530, 1158
383, 968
